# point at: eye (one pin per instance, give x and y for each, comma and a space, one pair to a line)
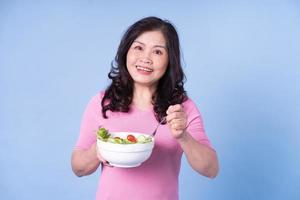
138, 48
158, 52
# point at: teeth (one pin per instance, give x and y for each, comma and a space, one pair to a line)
144, 69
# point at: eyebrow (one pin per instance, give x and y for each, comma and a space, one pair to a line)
161, 46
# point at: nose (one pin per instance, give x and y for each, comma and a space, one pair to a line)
146, 58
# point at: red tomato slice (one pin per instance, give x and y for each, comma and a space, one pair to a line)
131, 138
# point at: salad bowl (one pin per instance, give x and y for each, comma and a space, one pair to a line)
124, 149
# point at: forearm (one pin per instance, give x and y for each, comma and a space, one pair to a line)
85, 162
201, 158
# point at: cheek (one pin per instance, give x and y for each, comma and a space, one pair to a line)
130, 59
160, 72
163, 64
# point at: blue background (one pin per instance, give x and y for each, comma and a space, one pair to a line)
242, 64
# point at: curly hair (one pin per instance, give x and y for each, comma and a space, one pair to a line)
170, 89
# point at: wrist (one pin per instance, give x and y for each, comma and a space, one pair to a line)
183, 137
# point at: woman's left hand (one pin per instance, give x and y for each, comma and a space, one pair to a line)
177, 120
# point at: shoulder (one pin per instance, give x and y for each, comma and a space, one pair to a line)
190, 107
95, 101
99, 95
189, 104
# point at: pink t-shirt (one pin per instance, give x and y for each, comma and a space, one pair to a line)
156, 178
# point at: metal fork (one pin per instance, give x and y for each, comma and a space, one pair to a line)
161, 121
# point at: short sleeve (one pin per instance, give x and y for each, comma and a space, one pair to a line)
195, 123
90, 122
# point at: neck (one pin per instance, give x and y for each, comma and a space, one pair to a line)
142, 96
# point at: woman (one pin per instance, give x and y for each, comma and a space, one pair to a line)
147, 85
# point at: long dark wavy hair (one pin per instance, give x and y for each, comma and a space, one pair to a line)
118, 95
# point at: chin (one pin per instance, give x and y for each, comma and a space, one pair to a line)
143, 83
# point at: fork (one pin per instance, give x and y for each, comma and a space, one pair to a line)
161, 121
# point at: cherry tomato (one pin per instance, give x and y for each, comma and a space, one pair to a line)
131, 138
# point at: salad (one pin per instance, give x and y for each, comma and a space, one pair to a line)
104, 135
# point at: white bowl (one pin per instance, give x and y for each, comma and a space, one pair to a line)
125, 155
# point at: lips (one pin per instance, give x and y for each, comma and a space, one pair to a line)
144, 69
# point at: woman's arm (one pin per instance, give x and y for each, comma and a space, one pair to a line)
85, 162
201, 158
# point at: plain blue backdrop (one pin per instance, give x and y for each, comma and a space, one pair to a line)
242, 61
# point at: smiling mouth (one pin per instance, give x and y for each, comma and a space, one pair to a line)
146, 69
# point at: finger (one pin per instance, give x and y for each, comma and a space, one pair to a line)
169, 110
176, 108
175, 115
181, 123
170, 117
178, 124
106, 163
178, 127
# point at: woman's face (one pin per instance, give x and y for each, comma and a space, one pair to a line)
147, 58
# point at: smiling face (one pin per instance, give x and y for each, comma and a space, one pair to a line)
147, 58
